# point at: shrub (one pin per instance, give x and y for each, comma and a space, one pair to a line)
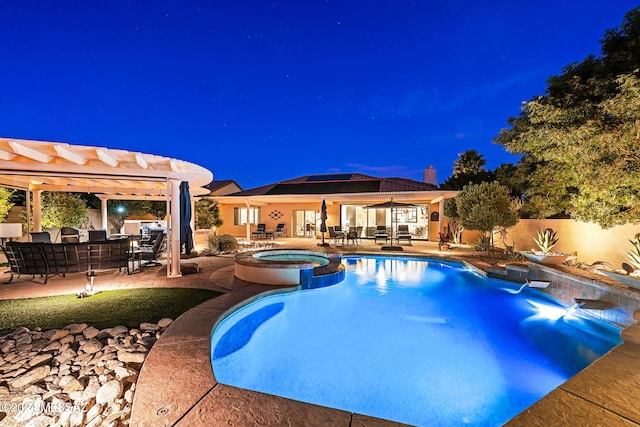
222, 244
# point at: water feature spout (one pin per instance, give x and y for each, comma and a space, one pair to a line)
532, 284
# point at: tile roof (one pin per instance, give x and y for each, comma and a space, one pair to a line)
338, 183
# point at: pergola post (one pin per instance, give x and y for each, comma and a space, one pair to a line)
173, 225
37, 210
103, 206
248, 223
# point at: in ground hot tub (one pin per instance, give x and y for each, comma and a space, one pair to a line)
289, 267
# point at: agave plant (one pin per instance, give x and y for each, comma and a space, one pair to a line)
547, 240
634, 255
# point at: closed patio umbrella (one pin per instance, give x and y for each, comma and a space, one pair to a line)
186, 234
323, 220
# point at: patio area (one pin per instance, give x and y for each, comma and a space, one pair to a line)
176, 385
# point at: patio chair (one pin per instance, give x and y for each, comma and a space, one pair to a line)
353, 235
151, 256
280, 231
403, 233
97, 235
260, 232
40, 236
381, 233
69, 235
333, 234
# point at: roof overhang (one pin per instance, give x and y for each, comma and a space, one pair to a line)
58, 166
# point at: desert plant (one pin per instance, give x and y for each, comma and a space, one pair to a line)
546, 240
222, 244
634, 254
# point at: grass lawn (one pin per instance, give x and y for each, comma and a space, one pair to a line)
129, 307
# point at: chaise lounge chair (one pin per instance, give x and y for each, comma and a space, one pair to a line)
403, 233
260, 232
381, 233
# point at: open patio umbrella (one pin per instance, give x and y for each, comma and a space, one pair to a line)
323, 220
186, 234
393, 205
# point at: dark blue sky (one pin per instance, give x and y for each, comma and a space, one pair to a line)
264, 91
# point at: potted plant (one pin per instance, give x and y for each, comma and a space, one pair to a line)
630, 274
546, 240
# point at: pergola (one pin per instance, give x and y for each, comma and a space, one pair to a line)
36, 166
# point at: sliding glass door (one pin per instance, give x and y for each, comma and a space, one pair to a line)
305, 223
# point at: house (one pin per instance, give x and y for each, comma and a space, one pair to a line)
297, 203
223, 187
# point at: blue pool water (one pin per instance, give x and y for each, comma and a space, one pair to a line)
423, 342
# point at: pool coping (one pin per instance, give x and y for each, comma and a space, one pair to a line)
177, 386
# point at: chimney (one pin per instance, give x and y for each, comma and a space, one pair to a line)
429, 175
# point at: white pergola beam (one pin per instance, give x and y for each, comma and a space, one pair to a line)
30, 153
64, 152
107, 158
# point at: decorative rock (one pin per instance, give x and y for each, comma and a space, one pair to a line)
66, 339
90, 332
73, 366
32, 376
108, 392
76, 328
126, 374
25, 339
149, 327
95, 422
40, 421
7, 346
92, 346
32, 406
118, 330
37, 360
65, 355
131, 357
165, 322
73, 385
76, 419
94, 411
59, 333
20, 330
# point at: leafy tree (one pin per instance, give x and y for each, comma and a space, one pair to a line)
119, 210
455, 225
207, 214
62, 210
485, 206
5, 202
581, 139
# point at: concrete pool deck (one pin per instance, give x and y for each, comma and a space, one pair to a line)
176, 386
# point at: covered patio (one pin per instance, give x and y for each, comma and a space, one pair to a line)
36, 166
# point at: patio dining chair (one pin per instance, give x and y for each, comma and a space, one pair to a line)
335, 235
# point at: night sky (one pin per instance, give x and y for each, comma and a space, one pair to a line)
263, 91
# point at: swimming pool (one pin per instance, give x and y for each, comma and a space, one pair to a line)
417, 341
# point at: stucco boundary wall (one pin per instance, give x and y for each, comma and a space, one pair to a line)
591, 242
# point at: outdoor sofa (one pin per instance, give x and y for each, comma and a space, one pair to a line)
49, 259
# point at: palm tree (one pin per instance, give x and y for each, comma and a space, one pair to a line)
470, 162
